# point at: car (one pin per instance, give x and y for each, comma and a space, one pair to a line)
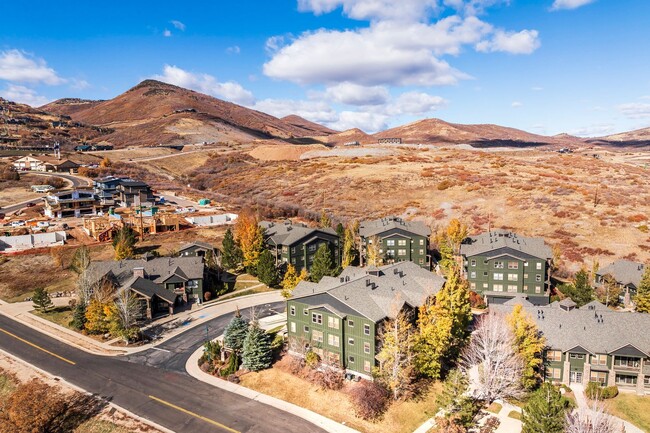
43, 224
31, 204
2, 216
18, 223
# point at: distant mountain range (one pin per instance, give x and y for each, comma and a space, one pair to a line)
154, 113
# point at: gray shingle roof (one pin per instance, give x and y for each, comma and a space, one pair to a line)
148, 289
376, 227
498, 239
158, 268
583, 327
288, 233
625, 272
199, 244
375, 296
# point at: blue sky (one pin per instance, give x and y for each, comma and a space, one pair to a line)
545, 66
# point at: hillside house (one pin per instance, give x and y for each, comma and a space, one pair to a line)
625, 274
134, 193
400, 240
74, 203
339, 318
106, 188
45, 164
296, 244
502, 265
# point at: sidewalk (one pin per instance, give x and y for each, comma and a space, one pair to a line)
581, 400
321, 421
20, 312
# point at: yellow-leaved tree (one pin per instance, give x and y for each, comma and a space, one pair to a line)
529, 343
291, 280
250, 237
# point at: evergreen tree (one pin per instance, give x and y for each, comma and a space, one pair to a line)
340, 231
79, 316
442, 326
642, 298
454, 399
41, 300
545, 411
580, 290
322, 264
231, 257
235, 332
530, 345
257, 353
325, 221
80, 259
124, 242
266, 270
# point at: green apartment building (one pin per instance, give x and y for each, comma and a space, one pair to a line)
592, 344
296, 244
338, 318
502, 265
400, 240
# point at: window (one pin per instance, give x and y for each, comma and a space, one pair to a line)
313, 247
366, 347
525, 288
333, 340
576, 356
599, 359
401, 242
485, 285
401, 252
525, 264
497, 287
555, 373
485, 273
421, 252
293, 261
513, 265
626, 361
293, 327
498, 265
317, 318
598, 376
351, 323
512, 288
525, 276
421, 241
293, 250
366, 329
305, 311
498, 276
538, 278
390, 242
513, 277
292, 309
646, 381
538, 289
421, 261
333, 322
366, 366
351, 341
554, 355
305, 328
317, 336
473, 262
538, 266
351, 359
472, 274
472, 286
624, 379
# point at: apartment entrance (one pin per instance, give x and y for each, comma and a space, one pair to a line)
575, 377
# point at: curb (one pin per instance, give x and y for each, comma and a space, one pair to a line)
76, 388
319, 420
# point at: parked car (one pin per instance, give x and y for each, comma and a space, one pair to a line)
19, 223
31, 204
43, 224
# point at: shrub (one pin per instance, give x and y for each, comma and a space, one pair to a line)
232, 366
370, 400
491, 424
312, 359
610, 392
595, 391
327, 379
476, 300
444, 185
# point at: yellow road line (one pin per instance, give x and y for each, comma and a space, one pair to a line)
37, 347
185, 411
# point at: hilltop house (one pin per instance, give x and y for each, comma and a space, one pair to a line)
161, 283
72, 204
45, 163
592, 344
296, 244
134, 193
502, 265
625, 274
339, 318
400, 240
106, 188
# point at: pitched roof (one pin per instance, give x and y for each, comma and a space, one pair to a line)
199, 244
288, 233
597, 331
490, 242
159, 268
375, 296
376, 227
625, 272
148, 289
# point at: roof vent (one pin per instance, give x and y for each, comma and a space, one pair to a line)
342, 280
347, 278
367, 282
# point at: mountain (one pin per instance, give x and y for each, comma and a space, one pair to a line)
69, 106
153, 113
435, 131
348, 136
316, 128
638, 137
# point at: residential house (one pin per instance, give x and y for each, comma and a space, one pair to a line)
45, 163
296, 244
106, 188
197, 249
592, 344
134, 193
177, 280
502, 265
625, 274
400, 240
72, 204
339, 318
27, 163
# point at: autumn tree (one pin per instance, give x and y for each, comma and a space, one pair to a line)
642, 299
545, 411
231, 255
529, 343
250, 238
266, 270
322, 264
350, 252
609, 291
97, 321
442, 326
580, 290
33, 407
41, 300
396, 370
80, 259
58, 254
491, 354
449, 240
373, 252
105, 163
291, 280
124, 243
122, 315
325, 220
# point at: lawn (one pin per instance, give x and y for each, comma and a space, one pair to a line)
494, 408
401, 417
632, 408
59, 315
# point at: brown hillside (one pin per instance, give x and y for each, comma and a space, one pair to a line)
69, 106
349, 136
300, 122
638, 137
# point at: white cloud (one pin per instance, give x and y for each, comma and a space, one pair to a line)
18, 66
179, 25
569, 4
517, 104
316, 111
79, 84
207, 84
523, 42
404, 10
635, 110
23, 95
365, 120
167, 33
354, 94
536, 88
415, 103
595, 130
274, 43
233, 50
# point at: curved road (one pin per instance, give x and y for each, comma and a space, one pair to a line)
77, 182
154, 385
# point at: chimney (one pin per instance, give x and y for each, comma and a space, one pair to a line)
138, 272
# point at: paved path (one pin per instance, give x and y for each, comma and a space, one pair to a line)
76, 182
581, 400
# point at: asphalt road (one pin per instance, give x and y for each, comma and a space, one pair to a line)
162, 394
77, 182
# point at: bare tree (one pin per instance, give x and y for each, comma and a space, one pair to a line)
127, 309
591, 419
491, 358
396, 358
